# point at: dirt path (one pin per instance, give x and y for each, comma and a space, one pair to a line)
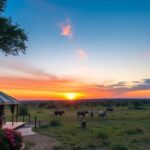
39, 142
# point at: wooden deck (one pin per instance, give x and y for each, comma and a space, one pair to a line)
15, 126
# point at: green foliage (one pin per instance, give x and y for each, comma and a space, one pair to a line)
55, 123
10, 140
23, 111
12, 36
44, 126
119, 147
2, 5
137, 104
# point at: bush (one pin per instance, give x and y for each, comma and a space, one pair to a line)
23, 111
119, 147
44, 126
10, 140
55, 123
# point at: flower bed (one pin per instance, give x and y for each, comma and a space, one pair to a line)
10, 140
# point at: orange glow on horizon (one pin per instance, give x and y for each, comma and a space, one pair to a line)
139, 94
58, 89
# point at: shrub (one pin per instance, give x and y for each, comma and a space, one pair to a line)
23, 111
55, 123
44, 126
10, 140
119, 147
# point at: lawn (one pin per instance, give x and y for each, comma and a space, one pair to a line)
122, 130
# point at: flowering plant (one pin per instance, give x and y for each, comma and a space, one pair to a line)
10, 140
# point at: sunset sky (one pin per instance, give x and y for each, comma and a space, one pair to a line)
79, 49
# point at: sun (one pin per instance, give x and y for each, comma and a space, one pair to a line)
71, 96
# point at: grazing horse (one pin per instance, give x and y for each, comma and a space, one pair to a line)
81, 113
83, 124
109, 109
59, 113
102, 114
92, 114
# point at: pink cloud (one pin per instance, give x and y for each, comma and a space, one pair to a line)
82, 54
66, 30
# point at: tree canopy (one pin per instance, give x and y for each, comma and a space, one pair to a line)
12, 36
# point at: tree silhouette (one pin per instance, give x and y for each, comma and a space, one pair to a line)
12, 36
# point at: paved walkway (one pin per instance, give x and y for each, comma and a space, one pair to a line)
26, 130
15, 125
40, 142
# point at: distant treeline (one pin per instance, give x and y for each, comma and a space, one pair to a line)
131, 103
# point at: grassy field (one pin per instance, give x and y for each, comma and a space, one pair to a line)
122, 130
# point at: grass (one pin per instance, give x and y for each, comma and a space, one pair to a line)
122, 130
55, 123
102, 135
119, 147
132, 131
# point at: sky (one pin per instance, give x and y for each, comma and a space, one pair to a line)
79, 49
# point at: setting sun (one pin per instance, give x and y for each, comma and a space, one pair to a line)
71, 96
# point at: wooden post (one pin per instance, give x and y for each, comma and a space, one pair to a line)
1, 116
1, 122
29, 118
12, 108
39, 123
23, 118
17, 109
35, 121
12, 119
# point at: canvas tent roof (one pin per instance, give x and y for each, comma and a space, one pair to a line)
7, 100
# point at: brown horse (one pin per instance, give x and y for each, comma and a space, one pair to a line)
83, 124
109, 109
81, 113
59, 113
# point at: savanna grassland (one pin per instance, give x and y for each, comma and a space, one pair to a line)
123, 129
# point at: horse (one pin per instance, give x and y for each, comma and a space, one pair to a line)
81, 113
102, 114
59, 113
83, 124
109, 109
91, 114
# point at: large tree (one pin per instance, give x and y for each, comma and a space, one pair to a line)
12, 36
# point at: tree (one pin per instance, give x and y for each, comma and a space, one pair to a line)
12, 36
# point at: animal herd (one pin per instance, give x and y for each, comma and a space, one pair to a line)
101, 113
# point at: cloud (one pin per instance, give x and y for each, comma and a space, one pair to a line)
82, 54
24, 69
135, 85
66, 29
119, 84
146, 81
136, 89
